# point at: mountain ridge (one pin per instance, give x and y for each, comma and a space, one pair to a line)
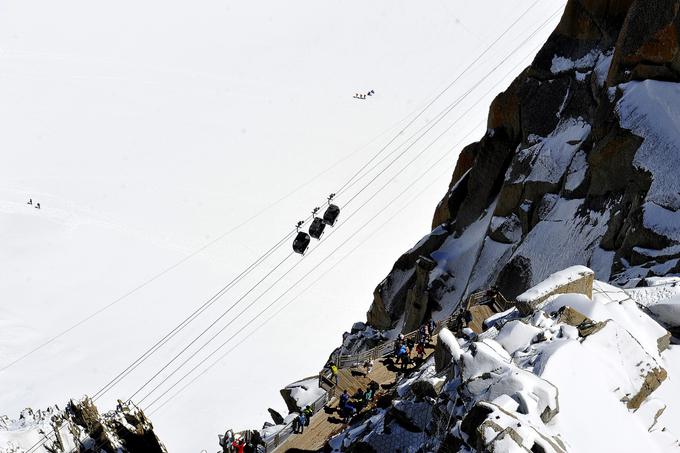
559, 133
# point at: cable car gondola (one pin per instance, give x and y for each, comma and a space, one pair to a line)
301, 243
331, 215
317, 227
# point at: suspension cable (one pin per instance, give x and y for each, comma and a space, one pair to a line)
441, 93
303, 277
186, 321
327, 271
453, 105
343, 187
494, 69
294, 266
199, 250
213, 323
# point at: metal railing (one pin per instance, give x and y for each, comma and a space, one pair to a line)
276, 440
387, 348
327, 380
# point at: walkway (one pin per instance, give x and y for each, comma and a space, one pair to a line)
326, 423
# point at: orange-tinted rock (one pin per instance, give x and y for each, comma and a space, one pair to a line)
504, 112
466, 159
648, 46
638, 39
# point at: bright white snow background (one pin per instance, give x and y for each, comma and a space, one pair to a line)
148, 129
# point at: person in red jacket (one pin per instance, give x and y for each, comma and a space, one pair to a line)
239, 445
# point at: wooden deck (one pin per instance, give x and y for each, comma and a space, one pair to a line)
327, 422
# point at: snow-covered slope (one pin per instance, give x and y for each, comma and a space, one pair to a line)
577, 167
148, 130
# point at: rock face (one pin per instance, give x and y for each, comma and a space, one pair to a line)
571, 171
578, 168
80, 427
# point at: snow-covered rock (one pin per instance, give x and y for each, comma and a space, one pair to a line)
667, 312
80, 427
567, 377
301, 394
576, 279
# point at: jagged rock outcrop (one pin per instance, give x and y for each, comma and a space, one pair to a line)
276, 417
418, 296
572, 169
80, 427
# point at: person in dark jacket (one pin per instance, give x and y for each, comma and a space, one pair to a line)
422, 333
410, 344
302, 422
256, 439
227, 440
348, 412
344, 398
359, 397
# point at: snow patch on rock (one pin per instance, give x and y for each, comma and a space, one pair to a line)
555, 282
562, 64
549, 159
651, 109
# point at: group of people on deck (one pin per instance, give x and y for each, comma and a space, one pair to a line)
349, 406
302, 420
404, 347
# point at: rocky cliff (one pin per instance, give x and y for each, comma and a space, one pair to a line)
79, 427
577, 166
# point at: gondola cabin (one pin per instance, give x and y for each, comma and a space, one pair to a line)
331, 215
301, 243
316, 228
